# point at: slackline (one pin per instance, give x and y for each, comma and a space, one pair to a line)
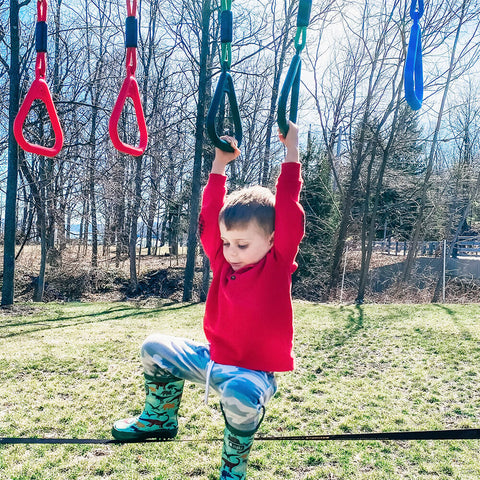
461, 434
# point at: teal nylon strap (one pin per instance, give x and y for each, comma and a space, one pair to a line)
291, 84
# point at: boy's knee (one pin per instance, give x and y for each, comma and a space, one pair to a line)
154, 347
155, 343
242, 404
243, 391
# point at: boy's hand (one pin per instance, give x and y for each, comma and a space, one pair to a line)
222, 159
291, 142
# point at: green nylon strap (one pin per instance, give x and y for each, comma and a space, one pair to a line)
300, 38
226, 57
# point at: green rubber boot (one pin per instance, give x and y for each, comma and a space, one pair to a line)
236, 448
159, 416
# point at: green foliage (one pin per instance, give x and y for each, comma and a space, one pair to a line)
71, 370
321, 218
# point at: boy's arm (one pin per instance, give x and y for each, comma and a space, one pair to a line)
289, 214
212, 201
291, 143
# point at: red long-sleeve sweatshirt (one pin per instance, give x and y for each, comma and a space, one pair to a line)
249, 315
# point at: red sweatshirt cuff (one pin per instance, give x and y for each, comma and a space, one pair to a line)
292, 169
217, 178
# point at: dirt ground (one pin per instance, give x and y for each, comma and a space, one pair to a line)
72, 277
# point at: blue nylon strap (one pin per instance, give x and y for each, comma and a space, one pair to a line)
131, 32
41, 33
413, 78
414, 13
225, 84
291, 84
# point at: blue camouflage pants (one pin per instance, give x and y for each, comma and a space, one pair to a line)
243, 393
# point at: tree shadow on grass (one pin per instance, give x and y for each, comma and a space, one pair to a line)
331, 342
122, 312
466, 334
354, 323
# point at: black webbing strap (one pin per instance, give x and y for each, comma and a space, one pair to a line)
460, 434
86, 441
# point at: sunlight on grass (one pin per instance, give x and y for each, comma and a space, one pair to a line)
71, 370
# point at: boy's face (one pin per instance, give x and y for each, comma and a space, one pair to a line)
245, 245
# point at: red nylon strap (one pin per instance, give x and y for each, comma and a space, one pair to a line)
42, 10
131, 61
39, 91
129, 90
41, 65
132, 8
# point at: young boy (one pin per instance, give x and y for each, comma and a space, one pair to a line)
251, 239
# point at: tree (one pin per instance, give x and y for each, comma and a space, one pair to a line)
464, 13
321, 217
12, 178
369, 63
466, 177
198, 152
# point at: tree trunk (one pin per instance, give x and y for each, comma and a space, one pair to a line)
134, 225
91, 188
343, 229
172, 207
360, 155
119, 196
93, 211
205, 278
38, 193
197, 164
412, 251
369, 235
467, 208
8, 285
152, 206
40, 281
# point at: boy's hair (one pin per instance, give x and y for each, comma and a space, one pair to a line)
252, 203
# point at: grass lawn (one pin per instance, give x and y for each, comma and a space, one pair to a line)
71, 370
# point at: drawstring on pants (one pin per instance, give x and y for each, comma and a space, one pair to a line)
211, 363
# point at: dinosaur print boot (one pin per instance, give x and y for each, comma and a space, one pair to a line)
159, 416
236, 447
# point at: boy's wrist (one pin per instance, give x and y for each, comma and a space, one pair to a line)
218, 168
292, 155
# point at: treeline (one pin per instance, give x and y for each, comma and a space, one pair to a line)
373, 168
